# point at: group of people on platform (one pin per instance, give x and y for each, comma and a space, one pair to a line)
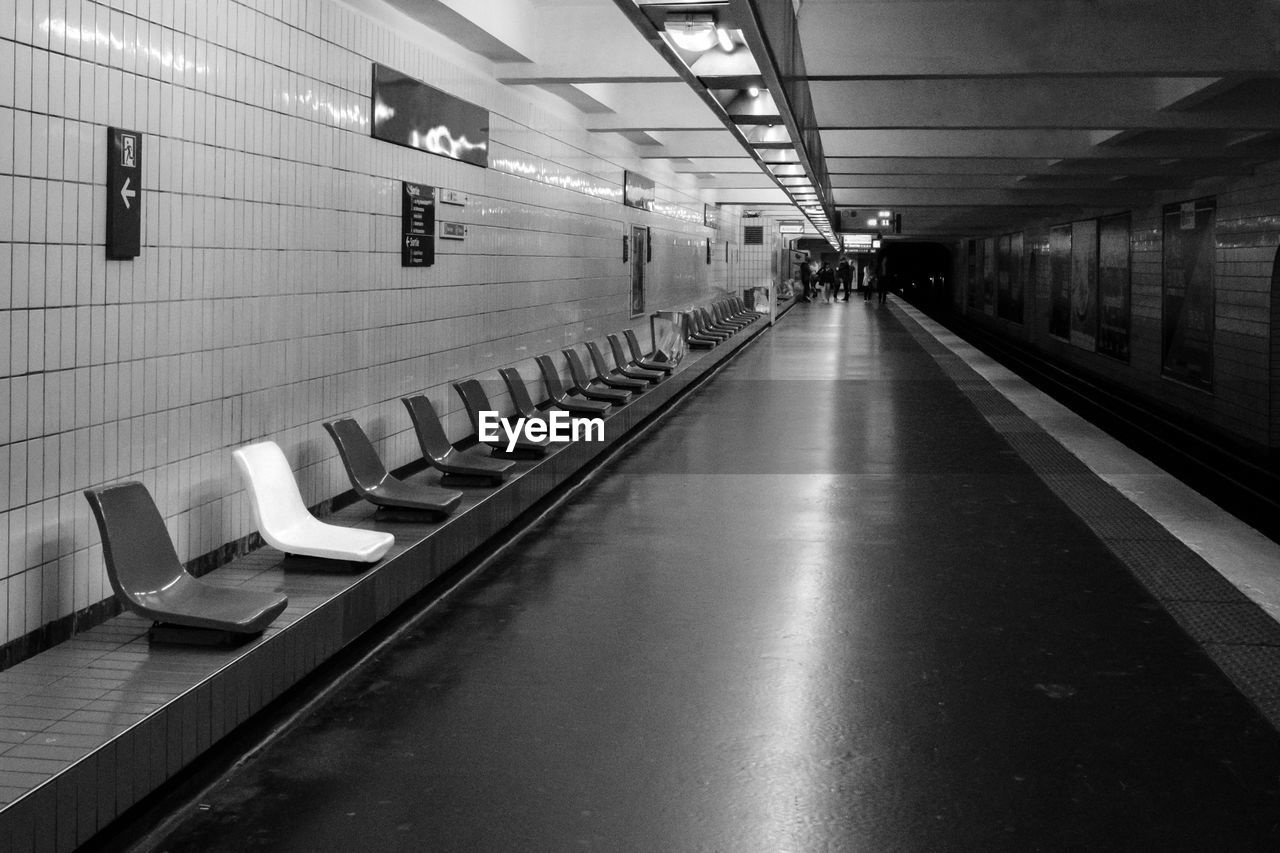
828, 281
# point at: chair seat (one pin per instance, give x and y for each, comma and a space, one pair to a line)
599, 392
398, 494
582, 406
313, 538
472, 465
647, 364
197, 603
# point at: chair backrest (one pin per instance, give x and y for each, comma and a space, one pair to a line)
576, 370
598, 359
268, 479
136, 547
695, 322
426, 423
360, 458
519, 392
634, 344
474, 400
550, 377
619, 354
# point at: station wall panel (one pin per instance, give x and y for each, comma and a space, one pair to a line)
269, 294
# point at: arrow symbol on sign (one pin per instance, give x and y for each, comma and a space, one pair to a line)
126, 193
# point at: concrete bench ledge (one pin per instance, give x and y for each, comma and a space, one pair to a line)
90, 727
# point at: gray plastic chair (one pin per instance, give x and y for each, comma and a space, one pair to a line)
651, 361
613, 377
373, 482
693, 334
525, 407
584, 385
459, 468
475, 401
629, 367
148, 578
570, 401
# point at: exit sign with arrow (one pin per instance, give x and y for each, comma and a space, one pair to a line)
124, 193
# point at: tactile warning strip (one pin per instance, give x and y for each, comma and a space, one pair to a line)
1254, 669
1173, 572
1045, 455
1230, 623
1240, 637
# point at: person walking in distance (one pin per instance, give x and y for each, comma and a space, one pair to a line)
826, 280
883, 287
806, 279
845, 272
869, 283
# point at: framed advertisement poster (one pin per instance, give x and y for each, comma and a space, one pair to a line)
989, 275
1084, 284
1187, 298
1060, 281
1113, 286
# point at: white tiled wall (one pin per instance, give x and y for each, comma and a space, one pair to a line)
269, 295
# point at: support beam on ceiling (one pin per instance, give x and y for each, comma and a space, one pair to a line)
1163, 38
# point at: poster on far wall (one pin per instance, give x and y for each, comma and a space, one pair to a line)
989, 276
1016, 280
1113, 286
972, 287
1060, 281
1009, 279
1187, 305
1084, 284
1002, 276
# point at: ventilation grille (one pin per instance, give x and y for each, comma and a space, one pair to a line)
753, 235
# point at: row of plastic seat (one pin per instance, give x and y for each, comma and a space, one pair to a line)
143, 565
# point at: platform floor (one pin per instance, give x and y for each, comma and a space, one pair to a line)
846, 597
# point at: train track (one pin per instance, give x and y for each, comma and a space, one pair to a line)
1249, 488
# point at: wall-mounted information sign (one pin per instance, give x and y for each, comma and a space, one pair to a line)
453, 231
124, 193
418, 224
711, 216
453, 197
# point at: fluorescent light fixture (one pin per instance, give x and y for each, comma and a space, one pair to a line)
692, 32
753, 91
726, 43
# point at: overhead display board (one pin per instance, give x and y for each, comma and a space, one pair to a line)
1187, 314
409, 112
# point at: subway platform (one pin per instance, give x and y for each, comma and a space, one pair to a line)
860, 591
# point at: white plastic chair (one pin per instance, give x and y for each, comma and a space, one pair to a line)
283, 519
